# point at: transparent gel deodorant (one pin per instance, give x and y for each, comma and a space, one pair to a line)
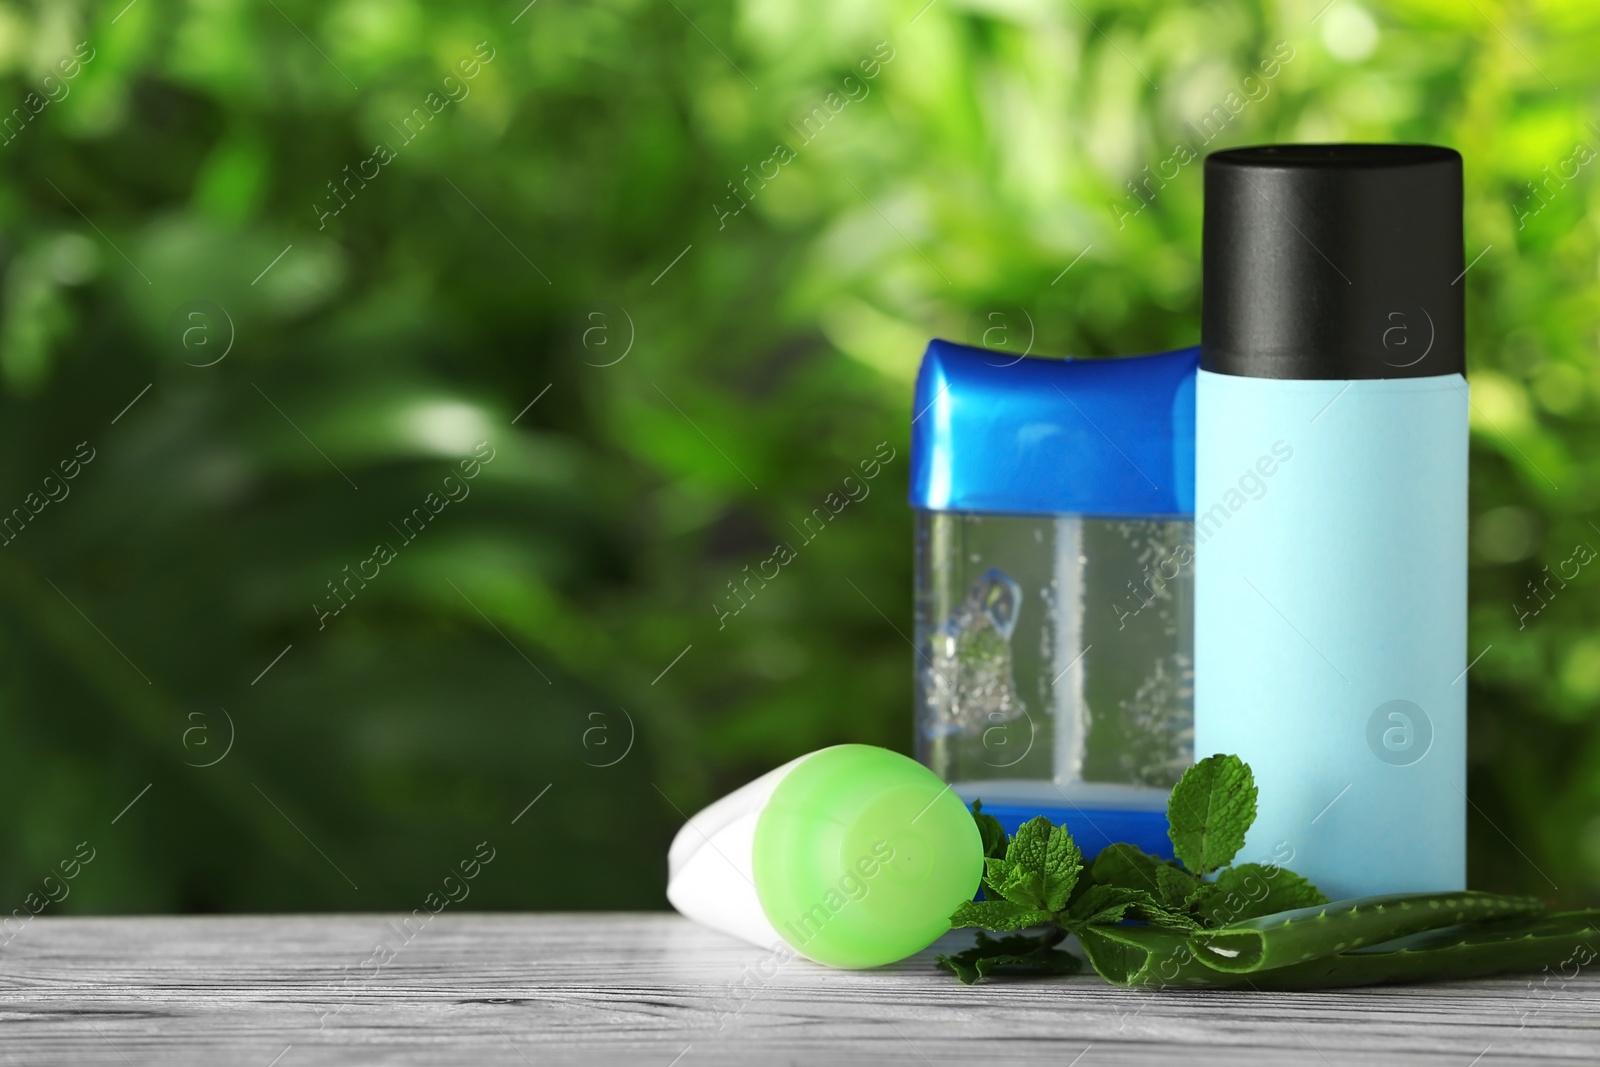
1054, 577
852, 856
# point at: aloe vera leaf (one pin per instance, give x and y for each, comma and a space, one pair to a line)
1289, 937
1153, 958
1577, 924
1561, 942
1150, 957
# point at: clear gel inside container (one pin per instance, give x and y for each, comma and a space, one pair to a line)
1055, 657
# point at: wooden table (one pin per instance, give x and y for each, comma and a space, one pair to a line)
291, 991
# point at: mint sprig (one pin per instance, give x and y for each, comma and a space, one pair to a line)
1019, 953
1211, 809
1202, 920
1038, 878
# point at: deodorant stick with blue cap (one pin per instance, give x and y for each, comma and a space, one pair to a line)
852, 856
1330, 599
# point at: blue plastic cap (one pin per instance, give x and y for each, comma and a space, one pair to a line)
1112, 437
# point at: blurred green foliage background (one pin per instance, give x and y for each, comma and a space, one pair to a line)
575, 223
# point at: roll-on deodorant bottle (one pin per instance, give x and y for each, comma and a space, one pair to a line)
1331, 507
852, 856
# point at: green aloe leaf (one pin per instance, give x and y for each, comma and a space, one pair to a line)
1566, 942
1149, 957
1271, 941
1153, 958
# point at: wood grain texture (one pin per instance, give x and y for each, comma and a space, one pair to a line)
295, 991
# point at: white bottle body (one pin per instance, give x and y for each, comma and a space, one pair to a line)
710, 868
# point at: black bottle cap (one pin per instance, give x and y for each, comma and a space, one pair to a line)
1333, 261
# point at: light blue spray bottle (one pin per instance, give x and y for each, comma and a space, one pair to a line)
1331, 508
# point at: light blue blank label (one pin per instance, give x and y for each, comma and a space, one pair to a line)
1330, 621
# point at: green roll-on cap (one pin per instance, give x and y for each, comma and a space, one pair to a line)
861, 855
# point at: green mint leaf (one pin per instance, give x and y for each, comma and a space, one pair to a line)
1197, 901
1176, 887
1212, 806
963, 965
996, 915
1063, 863
1106, 905
1251, 890
1164, 917
1048, 851
1013, 953
1028, 844
1011, 881
1126, 865
990, 830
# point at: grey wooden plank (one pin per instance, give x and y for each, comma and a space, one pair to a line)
654, 989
